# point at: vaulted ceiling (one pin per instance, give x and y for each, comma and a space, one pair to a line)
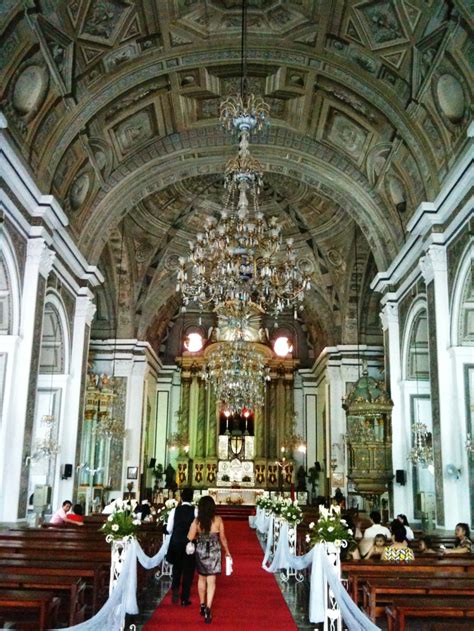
114, 104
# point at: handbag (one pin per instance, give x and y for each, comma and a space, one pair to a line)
190, 548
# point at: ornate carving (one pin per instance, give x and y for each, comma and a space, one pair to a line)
389, 315
30, 89
40, 255
451, 98
134, 130
382, 22
346, 134
104, 19
79, 190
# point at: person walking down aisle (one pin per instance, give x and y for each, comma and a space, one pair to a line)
208, 531
179, 521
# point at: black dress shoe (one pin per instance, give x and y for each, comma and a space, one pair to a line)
185, 603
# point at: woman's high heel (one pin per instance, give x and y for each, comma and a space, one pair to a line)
207, 616
202, 610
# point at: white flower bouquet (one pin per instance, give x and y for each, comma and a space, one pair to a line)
330, 528
291, 512
265, 503
122, 523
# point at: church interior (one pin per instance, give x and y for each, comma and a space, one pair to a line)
236, 254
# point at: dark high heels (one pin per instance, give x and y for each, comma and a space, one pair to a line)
202, 609
207, 616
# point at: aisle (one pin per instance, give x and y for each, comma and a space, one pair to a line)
249, 599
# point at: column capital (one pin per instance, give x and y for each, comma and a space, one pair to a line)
389, 315
40, 255
85, 309
433, 262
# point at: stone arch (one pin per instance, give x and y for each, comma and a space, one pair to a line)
9, 287
462, 313
412, 337
123, 192
55, 337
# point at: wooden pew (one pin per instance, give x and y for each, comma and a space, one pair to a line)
385, 590
424, 607
358, 571
70, 588
96, 575
43, 604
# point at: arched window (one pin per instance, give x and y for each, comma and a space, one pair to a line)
418, 366
6, 302
466, 311
53, 351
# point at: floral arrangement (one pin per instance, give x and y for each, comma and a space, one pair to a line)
122, 523
291, 512
277, 505
162, 513
330, 528
234, 500
265, 503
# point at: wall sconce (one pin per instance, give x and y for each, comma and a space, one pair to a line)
453, 472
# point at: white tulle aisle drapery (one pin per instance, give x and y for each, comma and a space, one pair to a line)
123, 599
322, 572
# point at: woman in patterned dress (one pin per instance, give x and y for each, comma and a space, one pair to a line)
399, 550
208, 531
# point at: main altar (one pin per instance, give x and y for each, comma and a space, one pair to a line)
245, 449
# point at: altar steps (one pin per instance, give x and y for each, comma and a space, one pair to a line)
240, 512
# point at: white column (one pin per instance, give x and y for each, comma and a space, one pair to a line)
137, 371
39, 261
434, 268
69, 429
402, 495
336, 418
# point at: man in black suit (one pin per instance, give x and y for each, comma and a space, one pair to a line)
179, 522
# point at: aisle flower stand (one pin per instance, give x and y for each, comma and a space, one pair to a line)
276, 534
165, 569
291, 572
333, 618
118, 552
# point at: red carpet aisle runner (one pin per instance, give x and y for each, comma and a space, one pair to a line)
249, 599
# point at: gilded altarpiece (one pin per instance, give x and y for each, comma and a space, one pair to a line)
244, 458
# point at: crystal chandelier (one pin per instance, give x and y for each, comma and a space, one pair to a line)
110, 427
421, 452
47, 446
238, 373
240, 257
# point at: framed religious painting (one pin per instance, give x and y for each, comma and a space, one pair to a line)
132, 473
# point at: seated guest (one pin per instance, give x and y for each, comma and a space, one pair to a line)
376, 551
59, 518
76, 515
403, 520
376, 528
462, 543
398, 551
425, 546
